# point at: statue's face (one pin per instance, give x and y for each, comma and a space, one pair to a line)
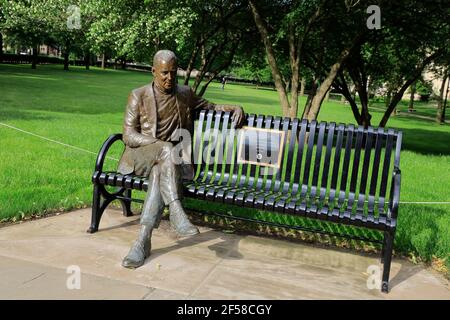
165, 73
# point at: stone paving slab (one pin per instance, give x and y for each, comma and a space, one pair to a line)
34, 257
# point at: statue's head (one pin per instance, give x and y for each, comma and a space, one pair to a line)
165, 70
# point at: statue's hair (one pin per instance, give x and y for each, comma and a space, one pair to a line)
164, 55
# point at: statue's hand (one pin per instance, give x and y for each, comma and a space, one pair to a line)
238, 117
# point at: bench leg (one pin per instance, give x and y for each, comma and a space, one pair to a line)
383, 248
98, 207
387, 252
95, 217
126, 204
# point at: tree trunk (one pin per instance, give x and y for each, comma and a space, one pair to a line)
276, 74
311, 94
445, 100
342, 86
398, 96
294, 59
207, 61
326, 84
66, 60
190, 65
327, 96
87, 60
387, 98
411, 97
34, 58
1, 45
440, 115
222, 67
123, 64
103, 60
302, 87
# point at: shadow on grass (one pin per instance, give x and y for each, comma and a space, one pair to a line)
13, 114
426, 141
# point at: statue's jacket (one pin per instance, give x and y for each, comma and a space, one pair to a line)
140, 122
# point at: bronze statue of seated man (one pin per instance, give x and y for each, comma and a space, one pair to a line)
153, 115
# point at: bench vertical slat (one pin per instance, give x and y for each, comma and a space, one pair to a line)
259, 122
250, 194
365, 170
398, 143
279, 182
229, 146
247, 143
286, 184
198, 143
234, 180
346, 163
205, 171
385, 173
206, 145
222, 173
337, 161
278, 178
231, 166
239, 181
214, 146
333, 212
221, 145
314, 206
317, 160
355, 167
269, 172
289, 182
298, 165
252, 167
309, 152
290, 206
327, 161
379, 136
275, 125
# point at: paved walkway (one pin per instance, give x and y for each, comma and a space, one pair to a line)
35, 255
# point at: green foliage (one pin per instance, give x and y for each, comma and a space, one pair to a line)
134, 30
250, 71
424, 89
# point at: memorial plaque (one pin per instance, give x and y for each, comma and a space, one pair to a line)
263, 147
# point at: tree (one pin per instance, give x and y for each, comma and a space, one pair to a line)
26, 23
394, 56
220, 28
442, 99
135, 30
298, 30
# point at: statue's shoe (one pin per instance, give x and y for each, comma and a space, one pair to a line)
137, 255
186, 229
180, 222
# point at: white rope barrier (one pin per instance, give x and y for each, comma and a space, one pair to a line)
54, 141
87, 151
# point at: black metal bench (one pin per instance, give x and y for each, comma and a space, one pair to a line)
334, 173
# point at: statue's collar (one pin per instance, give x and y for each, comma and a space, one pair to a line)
154, 88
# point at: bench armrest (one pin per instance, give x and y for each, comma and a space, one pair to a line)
104, 149
395, 193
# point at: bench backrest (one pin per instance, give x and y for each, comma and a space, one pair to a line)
323, 161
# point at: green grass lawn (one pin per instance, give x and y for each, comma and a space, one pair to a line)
82, 108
